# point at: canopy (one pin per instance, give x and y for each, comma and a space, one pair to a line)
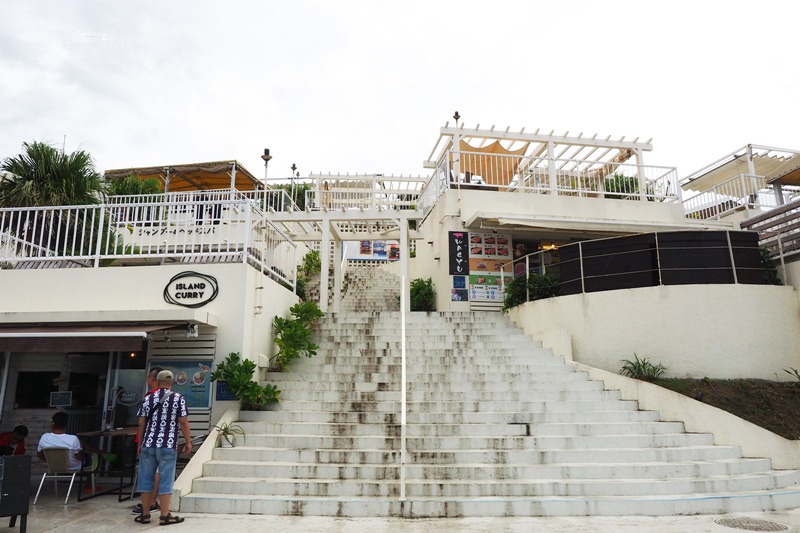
195, 177
494, 170
766, 161
788, 173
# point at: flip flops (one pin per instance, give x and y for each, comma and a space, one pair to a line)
169, 520
142, 519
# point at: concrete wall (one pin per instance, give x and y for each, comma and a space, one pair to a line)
581, 217
697, 417
716, 331
242, 312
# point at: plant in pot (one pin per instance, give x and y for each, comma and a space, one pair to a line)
227, 434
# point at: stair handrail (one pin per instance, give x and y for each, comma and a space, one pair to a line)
403, 390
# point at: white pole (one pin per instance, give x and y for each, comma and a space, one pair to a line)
403, 392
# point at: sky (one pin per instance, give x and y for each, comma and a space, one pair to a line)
351, 86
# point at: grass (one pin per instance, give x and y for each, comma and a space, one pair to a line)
773, 405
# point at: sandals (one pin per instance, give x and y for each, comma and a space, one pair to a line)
138, 508
142, 519
169, 520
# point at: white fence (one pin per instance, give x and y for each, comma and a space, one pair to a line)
215, 226
541, 175
742, 192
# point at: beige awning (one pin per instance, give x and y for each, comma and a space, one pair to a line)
59, 339
195, 177
788, 173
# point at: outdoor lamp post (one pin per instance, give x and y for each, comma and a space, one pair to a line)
294, 167
266, 157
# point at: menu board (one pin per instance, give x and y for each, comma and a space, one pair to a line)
488, 253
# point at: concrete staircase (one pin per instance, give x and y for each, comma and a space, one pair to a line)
496, 426
365, 287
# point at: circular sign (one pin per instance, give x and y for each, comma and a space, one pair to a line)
191, 289
129, 397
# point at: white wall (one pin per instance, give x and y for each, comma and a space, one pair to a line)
716, 331
115, 293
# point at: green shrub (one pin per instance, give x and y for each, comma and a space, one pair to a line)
239, 374
770, 271
423, 297
293, 335
642, 369
536, 286
311, 263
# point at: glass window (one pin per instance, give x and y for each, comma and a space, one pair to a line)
34, 388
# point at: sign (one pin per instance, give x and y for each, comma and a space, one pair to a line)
191, 379
128, 396
61, 399
488, 253
191, 289
457, 241
224, 392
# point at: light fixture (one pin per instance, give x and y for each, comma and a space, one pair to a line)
192, 330
166, 336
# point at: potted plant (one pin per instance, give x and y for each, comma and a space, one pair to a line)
227, 434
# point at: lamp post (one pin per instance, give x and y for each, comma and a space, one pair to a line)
266, 157
294, 167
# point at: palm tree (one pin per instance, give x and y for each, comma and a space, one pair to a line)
132, 185
43, 176
46, 176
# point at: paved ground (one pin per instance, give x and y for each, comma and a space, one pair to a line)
105, 514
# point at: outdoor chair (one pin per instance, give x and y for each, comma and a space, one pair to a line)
58, 468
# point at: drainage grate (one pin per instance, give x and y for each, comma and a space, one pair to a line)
752, 524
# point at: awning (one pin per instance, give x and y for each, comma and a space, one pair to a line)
59, 339
195, 177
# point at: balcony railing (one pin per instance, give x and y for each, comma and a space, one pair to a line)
778, 229
740, 193
541, 175
369, 192
177, 227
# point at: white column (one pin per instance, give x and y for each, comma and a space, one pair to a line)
325, 260
338, 273
551, 166
640, 171
404, 252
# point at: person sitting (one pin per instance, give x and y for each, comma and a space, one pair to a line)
13, 442
59, 438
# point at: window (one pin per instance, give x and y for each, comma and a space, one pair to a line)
84, 389
34, 388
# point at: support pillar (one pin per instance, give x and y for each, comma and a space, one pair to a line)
325, 260
338, 274
405, 250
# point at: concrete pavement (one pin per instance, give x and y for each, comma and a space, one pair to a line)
105, 514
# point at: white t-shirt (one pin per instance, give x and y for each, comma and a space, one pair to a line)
63, 440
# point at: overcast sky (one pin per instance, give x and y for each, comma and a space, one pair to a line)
364, 86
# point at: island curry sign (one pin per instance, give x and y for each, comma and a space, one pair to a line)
191, 289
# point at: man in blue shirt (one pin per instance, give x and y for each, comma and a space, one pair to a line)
162, 414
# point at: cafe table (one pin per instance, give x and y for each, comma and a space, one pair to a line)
126, 475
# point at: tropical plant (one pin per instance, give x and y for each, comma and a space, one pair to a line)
45, 176
794, 372
522, 288
133, 185
238, 373
293, 335
642, 369
622, 185
229, 431
311, 263
423, 296
297, 193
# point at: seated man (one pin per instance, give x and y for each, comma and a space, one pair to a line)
13, 442
59, 438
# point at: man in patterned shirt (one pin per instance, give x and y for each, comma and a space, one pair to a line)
161, 415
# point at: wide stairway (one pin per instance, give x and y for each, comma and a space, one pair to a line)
496, 426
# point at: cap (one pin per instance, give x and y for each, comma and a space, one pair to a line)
165, 375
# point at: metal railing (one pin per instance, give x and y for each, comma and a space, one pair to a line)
176, 227
742, 192
542, 175
642, 261
369, 192
778, 229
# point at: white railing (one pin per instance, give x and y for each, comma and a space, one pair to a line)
542, 175
742, 192
369, 192
174, 227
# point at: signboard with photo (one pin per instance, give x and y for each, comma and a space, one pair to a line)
488, 253
191, 379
